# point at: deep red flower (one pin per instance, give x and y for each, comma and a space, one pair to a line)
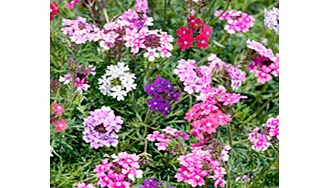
202, 41
53, 10
194, 22
206, 30
185, 42
182, 31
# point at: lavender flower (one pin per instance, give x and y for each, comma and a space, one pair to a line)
272, 19
237, 76
101, 127
162, 93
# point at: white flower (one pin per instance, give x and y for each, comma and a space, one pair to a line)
66, 79
117, 81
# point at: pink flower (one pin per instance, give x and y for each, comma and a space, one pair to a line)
71, 4
66, 79
263, 74
230, 98
259, 140
81, 84
151, 54
84, 185
60, 125
58, 109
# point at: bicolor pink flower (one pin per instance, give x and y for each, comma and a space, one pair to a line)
85, 185
60, 125
57, 109
151, 54
162, 139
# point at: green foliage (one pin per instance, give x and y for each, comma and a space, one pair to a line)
74, 160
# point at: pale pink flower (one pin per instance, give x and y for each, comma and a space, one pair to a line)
151, 54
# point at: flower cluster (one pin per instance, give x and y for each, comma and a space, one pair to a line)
197, 31
271, 19
236, 75
79, 76
58, 111
261, 138
151, 183
272, 127
237, 21
205, 118
117, 81
53, 10
162, 93
167, 136
120, 172
194, 78
156, 43
129, 29
85, 185
79, 31
101, 127
141, 6
199, 165
71, 4
264, 63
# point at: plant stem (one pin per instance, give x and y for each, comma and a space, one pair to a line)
263, 173
229, 132
209, 9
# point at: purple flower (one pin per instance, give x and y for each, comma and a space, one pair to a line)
101, 127
151, 183
162, 93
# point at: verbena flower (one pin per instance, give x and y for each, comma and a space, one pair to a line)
117, 81
262, 138
198, 166
259, 140
197, 31
120, 172
272, 127
264, 64
141, 6
71, 4
101, 128
85, 185
162, 93
79, 31
167, 135
60, 125
194, 78
271, 19
151, 183
53, 10
57, 109
205, 118
79, 75
237, 21
236, 75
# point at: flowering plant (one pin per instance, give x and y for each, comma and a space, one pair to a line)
164, 94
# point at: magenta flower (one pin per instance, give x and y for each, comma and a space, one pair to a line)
265, 63
71, 4
120, 172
